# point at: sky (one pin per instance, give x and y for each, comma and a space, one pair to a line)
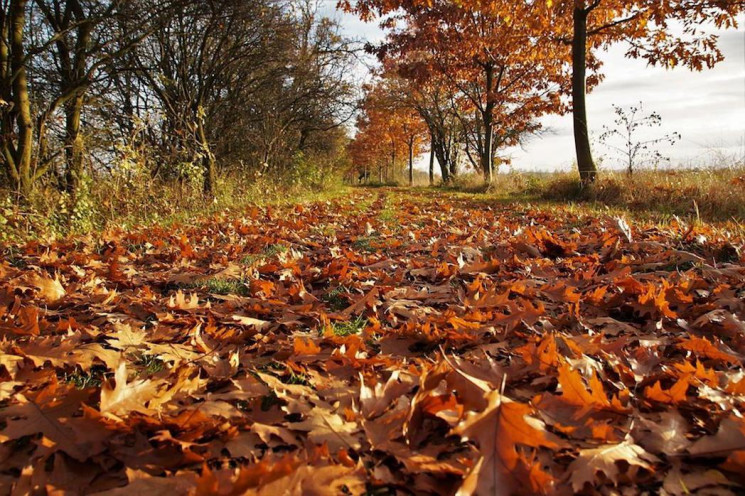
706, 108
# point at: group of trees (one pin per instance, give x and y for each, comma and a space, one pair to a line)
480, 73
195, 86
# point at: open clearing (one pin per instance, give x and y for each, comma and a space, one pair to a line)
380, 342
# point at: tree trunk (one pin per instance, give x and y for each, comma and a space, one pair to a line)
210, 175
74, 148
393, 161
488, 118
22, 155
411, 162
442, 159
432, 162
586, 165
486, 158
208, 162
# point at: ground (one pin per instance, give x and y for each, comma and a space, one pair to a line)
386, 342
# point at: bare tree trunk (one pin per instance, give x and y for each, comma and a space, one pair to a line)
393, 162
208, 162
442, 158
210, 176
486, 158
488, 118
19, 158
432, 162
74, 147
586, 165
411, 162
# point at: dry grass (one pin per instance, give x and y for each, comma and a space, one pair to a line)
709, 195
712, 194
115, 204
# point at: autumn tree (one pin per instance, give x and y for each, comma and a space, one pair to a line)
435, 100
403, 103
668, 33
389, 132
487, 51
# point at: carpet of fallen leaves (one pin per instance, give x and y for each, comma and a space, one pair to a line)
384, 343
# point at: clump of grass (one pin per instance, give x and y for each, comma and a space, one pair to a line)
268, 401
389, 213
366, 244
220, 286
268, 252
296, 379
14, 258
286, 375
327, 231
349, 328
275, 249
149, 364
251, 258
137, 247
84, 380
337, 299
362, 205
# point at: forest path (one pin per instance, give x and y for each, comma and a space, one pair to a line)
388, 340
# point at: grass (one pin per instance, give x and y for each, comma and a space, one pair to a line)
366, 244
389, 213
268, 252
84, 380
148, 364
337, 299
349, 328
114, 205
295, 379
14, 257
220, 286
709, 195
698, 195
362, 205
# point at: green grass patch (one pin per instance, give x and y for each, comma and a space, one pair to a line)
148, 364
369, 244
349, 328
14, 257
389, 213
84, 380
296, 379
362, 205
326, 231
337, 298
220, 286
268, 252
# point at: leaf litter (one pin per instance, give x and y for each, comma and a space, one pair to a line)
462, 348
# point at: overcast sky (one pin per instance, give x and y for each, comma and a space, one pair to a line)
707, 108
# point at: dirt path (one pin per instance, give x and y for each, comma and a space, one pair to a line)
392, 341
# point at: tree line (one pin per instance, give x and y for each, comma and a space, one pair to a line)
478, 74
192, 88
